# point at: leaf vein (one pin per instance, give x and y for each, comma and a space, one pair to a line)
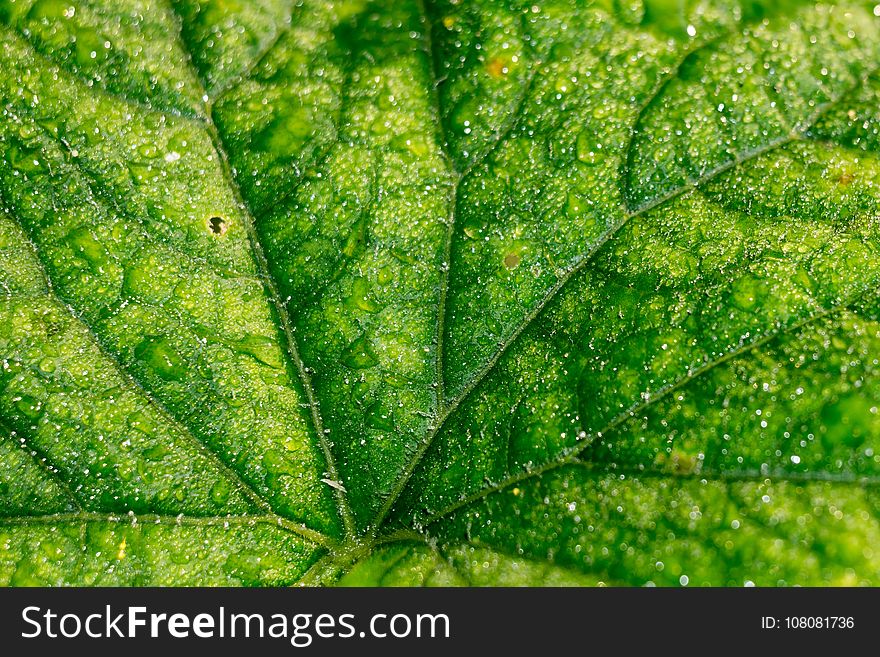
282, 315
42, 460
570, 456
85, 517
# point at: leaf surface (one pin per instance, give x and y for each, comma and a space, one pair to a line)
439, 293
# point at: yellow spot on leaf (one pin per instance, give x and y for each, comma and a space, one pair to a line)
497, 67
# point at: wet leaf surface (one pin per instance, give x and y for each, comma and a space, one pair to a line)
479, 292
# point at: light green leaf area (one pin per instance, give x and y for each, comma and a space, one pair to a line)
441, 292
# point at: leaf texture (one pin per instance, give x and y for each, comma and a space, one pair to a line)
479, 292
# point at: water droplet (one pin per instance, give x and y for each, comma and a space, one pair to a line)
29, 406
220, 491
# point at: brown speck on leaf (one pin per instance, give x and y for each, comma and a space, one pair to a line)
511, 260
217, 225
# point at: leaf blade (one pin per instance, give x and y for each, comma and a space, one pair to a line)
439, 272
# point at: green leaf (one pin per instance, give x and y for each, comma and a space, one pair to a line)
477, 292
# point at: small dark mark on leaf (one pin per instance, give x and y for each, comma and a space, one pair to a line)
217, 225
